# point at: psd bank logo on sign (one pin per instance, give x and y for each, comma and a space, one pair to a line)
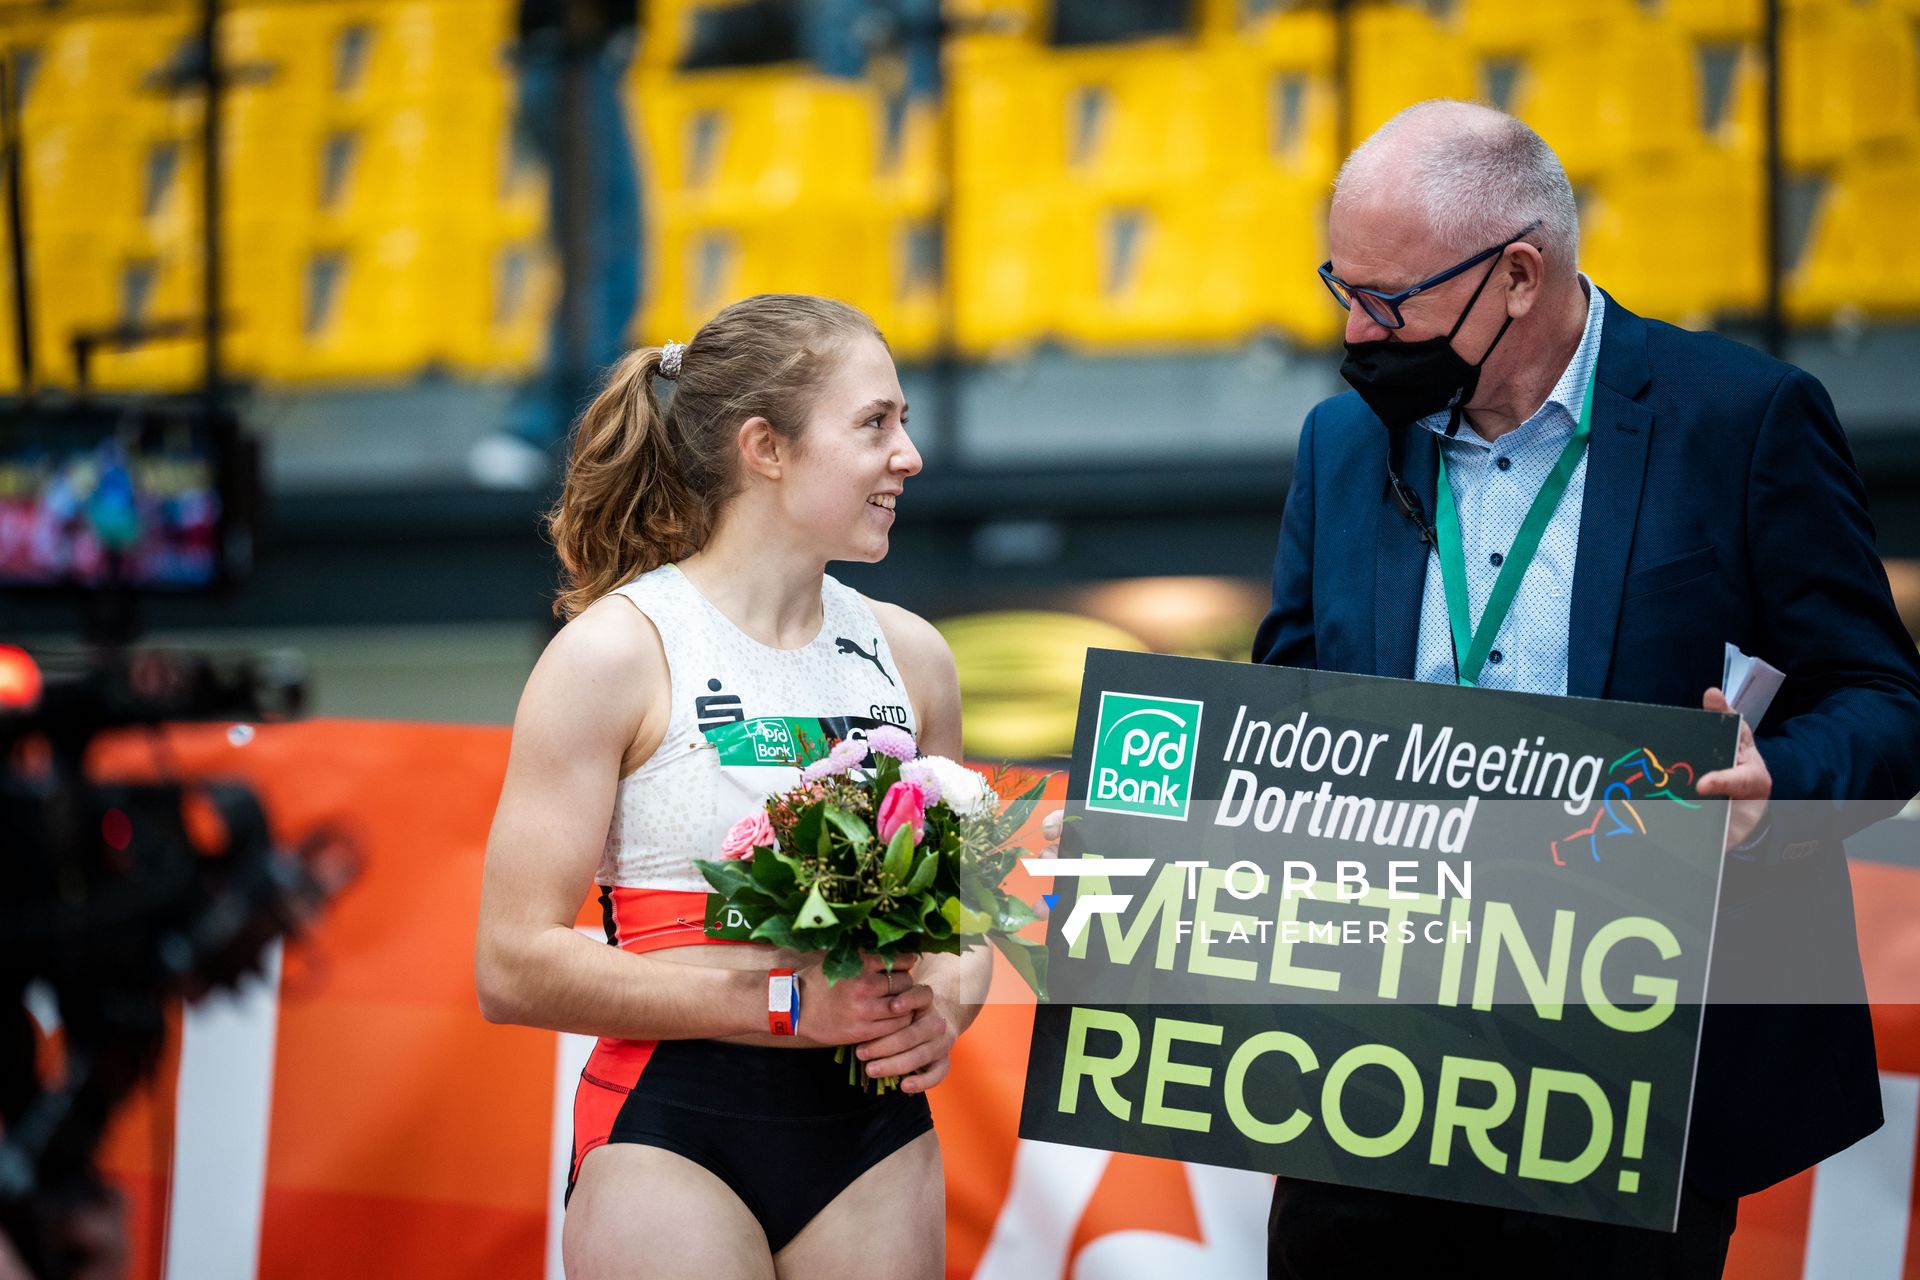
1143, 751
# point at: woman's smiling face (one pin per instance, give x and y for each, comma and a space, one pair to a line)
853, 459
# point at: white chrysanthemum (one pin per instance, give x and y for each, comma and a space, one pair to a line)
964, 790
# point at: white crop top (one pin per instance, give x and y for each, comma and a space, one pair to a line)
740, 709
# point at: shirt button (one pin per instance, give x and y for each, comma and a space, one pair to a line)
1494, 656
1504, 463
1496, 558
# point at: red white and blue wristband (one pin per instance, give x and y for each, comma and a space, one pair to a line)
783, 1002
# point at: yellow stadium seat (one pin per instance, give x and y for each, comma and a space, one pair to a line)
1514, 26
1006, 266
700, 259
270, 165
1605, 96
910, 169
912, 312
164, 284
666, 27
384, 304
1850, 79
1401, 55
258, 295
1861, 255
103, 64
371, 50
1276, 226
1005, 111
82, 176
503, 329
1716, 19
1196, 267
1278, 93
1678, 236
85, 285
407, 161
765, 138
1145, 117
1138, 272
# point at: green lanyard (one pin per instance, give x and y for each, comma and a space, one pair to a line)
1475, 645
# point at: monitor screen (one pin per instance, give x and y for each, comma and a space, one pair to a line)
111, 496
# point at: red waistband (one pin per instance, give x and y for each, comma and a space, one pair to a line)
652, 919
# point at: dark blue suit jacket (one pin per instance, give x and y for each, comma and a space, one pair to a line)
1721, 505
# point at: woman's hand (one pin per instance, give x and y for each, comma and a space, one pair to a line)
918, 1053
864, 1007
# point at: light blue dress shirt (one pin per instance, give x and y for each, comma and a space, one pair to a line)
1493, 485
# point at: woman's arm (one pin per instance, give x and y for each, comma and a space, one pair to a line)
601, 687
596, 704
952, 987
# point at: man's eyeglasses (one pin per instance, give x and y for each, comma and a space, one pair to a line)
1384, 308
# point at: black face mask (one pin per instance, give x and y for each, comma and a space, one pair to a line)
1403, 382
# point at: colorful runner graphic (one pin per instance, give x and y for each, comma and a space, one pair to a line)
1617, 815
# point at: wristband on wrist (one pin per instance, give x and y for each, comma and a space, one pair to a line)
783, 1002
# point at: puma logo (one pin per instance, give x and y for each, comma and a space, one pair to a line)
843, 645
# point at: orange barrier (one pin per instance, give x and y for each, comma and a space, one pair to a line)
407, 1136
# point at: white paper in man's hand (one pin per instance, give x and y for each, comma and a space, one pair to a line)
1749, 684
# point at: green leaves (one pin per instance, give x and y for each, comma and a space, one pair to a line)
1029, 960
729, 878
885, 931
849, 828
963, 918
776, 930
842, 962
776, 874
922, 877
893, 869
815, 913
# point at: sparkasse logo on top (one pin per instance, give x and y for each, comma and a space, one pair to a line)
1143, 755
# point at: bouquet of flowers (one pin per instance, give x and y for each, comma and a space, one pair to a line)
905, 854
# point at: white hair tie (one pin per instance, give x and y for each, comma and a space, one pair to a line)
670, 356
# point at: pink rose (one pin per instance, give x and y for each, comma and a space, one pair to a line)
905, 804
751, 831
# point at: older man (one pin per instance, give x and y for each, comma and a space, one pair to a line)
1533, 488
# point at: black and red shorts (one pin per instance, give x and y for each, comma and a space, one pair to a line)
783, 1128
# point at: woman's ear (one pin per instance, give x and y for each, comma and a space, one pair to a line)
762, 451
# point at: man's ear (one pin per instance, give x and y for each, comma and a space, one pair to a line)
762, 451
1527, 271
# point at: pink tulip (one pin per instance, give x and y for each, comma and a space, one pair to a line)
752, 830
905, 804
